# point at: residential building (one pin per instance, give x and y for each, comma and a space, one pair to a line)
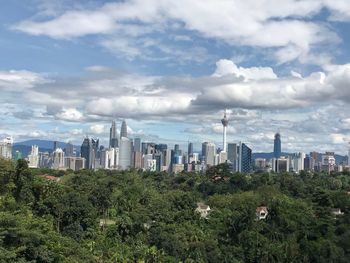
6, 148
33, 157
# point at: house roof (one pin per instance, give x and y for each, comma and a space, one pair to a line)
260, 209
49, 177
202, 206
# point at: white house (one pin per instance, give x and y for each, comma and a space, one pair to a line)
203, 209
261, 212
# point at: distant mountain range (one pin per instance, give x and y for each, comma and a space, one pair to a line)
44, 146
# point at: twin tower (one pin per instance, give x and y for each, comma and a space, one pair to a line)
113, 137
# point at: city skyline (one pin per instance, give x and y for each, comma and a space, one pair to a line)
170, 76
132, 153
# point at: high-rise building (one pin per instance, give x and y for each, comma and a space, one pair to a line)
69, 150
308, 163
125, 153
159, 160
349, 156
95, 154
137, 145
6, 148
210, 154
58, 159
44, 160
194, 158
74, 163
110, 158
138, 160
55, 145
86, 152
124, 130
149, 164
222, 157
160, 147
277, 146
113, 137
244, 158
297, 162
232, 155
167, 160
190, 149
33, 157
204, 151
177, 150
328, 162
224, 122
260, 164
280, 165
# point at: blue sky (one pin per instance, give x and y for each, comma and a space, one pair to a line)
170, 68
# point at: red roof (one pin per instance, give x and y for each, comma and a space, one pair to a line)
49, 177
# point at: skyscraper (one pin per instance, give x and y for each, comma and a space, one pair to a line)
204, 151
6, 148
244, 158
224, 122
113, 138
69, 150
86, 152
137, 145
124, 130
210, 153
33, 157
190, 149
55, 145
125, 153
232, 152
277, 146
349, 156
58, 159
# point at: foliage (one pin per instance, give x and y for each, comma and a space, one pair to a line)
135, 216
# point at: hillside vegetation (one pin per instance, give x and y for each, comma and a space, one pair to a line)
131, 216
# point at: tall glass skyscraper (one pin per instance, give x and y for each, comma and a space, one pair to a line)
124, 130
277, 146
245, 159
190, 149
85, 152
113, 138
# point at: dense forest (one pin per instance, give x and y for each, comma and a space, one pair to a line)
134, 216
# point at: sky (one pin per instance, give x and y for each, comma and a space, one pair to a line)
170, 68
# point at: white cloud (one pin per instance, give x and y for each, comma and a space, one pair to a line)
140, 105
98, 129
77, 131
283, 25
14, 80
228, 67
69, 114
339, 138
259, 103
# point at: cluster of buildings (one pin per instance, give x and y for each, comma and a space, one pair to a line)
316, 162
125, 153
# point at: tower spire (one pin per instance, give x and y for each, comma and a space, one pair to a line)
224, 122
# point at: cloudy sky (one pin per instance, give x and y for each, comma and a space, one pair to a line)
170, 68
